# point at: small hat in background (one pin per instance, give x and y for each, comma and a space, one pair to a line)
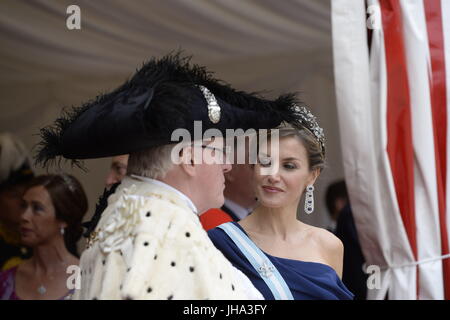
14, 161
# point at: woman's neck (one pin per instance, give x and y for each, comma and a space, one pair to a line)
278, 222
51, 257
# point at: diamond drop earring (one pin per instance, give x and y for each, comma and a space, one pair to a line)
309, 199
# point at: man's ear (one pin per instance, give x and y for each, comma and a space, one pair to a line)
187, 161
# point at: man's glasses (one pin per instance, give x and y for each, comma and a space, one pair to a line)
221, 154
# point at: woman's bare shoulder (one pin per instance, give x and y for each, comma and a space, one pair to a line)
330, 246
325, 239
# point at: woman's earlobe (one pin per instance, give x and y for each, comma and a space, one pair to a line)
315, 175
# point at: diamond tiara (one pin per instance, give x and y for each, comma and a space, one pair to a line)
309, 121
68, 181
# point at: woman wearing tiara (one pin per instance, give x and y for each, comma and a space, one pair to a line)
54, 206
284, 257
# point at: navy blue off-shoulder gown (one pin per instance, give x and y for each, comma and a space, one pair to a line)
306, 280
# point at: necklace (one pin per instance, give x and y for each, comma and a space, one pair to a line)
41, 289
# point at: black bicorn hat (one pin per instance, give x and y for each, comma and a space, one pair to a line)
163, 95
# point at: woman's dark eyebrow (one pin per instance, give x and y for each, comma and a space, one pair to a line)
291, 158
34, 202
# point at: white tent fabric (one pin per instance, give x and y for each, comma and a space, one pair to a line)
392, 97
353, 93
256, 45
116, 35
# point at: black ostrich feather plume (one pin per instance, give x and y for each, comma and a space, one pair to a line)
164, 85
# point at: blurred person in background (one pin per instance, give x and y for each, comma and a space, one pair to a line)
353, 274
336, 198
240, 198
15, 172
117, 171
54, 206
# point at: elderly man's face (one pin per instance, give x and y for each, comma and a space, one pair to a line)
210, 178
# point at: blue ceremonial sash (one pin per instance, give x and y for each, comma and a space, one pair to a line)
259, 261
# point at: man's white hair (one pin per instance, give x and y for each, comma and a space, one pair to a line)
13, 155
151, 163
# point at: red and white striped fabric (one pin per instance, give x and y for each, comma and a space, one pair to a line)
393, 100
